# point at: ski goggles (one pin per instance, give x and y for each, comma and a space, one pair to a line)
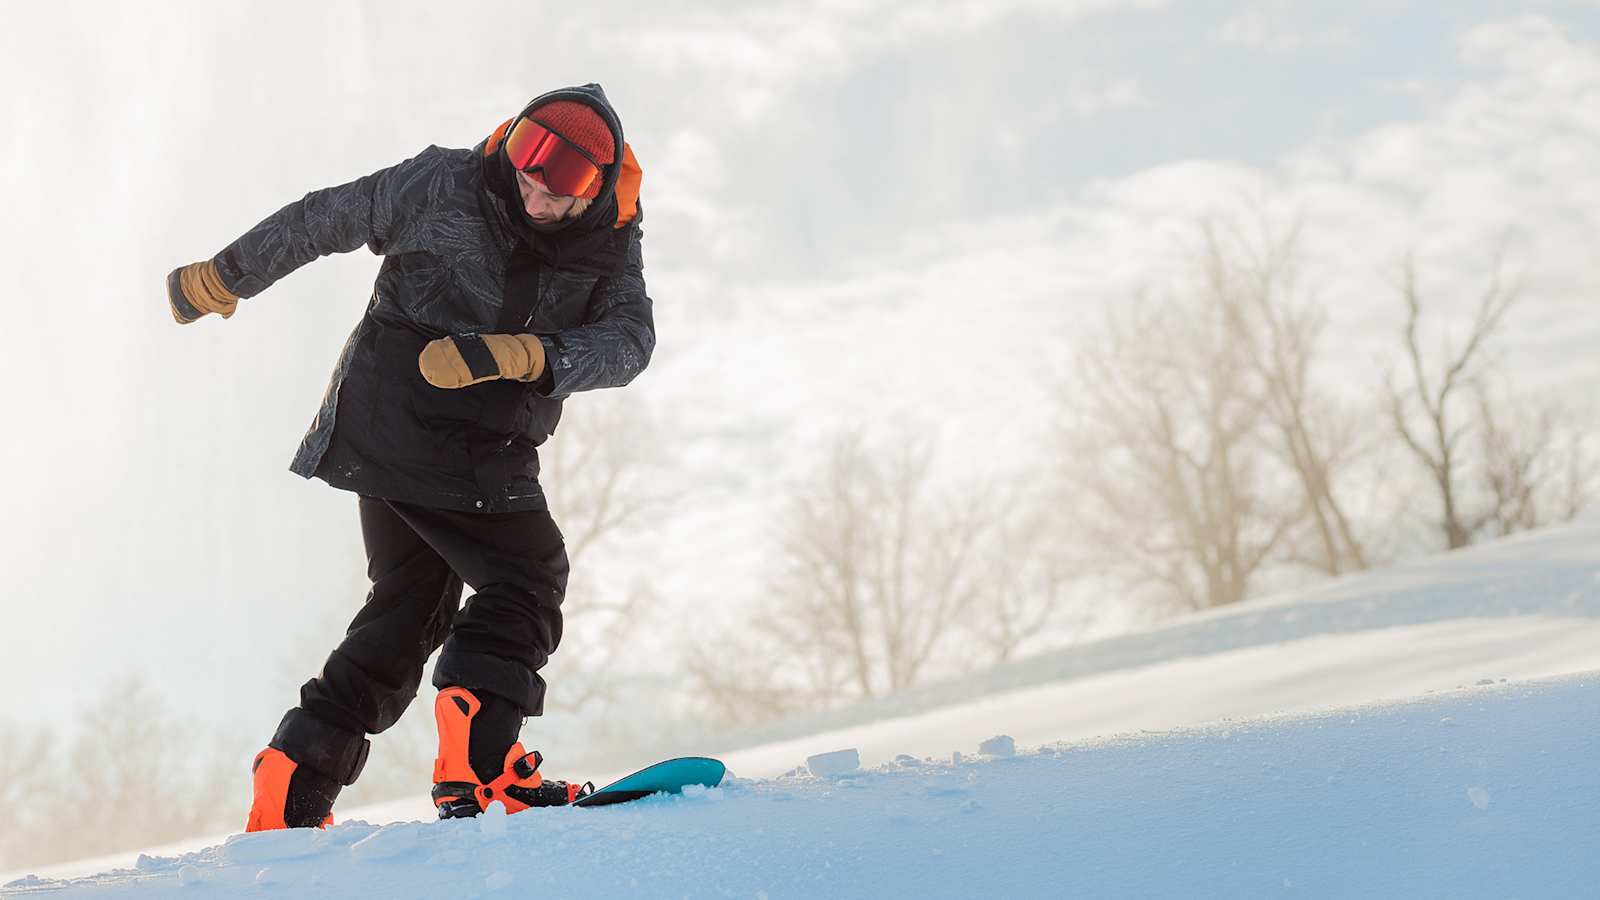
566, 169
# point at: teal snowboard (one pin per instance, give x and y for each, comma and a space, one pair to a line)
669, 777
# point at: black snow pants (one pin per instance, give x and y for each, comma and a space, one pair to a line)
418, 557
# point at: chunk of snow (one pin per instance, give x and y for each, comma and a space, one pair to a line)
267, 846
189, 876
148, 863
1479, 797
492, 822
999, 745
702, 794
498, 881
838, 762
266, 876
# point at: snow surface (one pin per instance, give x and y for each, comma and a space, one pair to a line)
1482, 792
1459, 762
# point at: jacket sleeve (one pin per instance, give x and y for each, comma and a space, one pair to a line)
618, 335
333, 220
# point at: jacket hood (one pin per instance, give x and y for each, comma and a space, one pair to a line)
603, 210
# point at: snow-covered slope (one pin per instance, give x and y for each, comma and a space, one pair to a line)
1523, 607
1466, 791
1483, 792
1479, 597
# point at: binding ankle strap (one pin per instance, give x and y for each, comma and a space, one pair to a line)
520, 772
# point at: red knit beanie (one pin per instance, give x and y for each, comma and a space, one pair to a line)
580, 126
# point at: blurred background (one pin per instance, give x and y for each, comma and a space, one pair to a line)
983, 329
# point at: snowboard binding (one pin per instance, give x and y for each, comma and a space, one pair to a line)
519, 787
459, 792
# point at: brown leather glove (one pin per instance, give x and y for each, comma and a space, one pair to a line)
197, 289
463, 359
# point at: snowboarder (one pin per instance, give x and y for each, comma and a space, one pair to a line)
512, 277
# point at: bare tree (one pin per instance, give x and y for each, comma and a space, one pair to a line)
1512, 456
1166, 458
28, 758
882, 587
597, 472
1429, 406
1028, 587
135, 775
1580, 482
1255, 276
1533, 472
875, 576
738, 679
139, 757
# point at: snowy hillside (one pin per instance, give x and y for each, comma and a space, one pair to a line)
1521, 607
1460, 763
1485, 792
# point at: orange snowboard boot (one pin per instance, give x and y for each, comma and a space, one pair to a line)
288, 796
471, 730
299, 774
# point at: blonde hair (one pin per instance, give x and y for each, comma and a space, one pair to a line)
580, 205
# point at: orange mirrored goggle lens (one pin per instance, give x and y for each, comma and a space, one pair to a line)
533, 148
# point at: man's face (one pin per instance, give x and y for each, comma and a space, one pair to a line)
543, 207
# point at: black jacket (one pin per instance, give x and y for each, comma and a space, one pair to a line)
460, 256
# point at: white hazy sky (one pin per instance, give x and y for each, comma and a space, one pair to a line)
856, 212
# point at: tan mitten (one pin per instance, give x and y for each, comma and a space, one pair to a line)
463, 359
197, 289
